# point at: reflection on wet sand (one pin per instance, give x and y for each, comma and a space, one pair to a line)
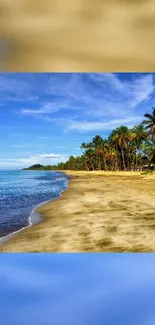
77, 35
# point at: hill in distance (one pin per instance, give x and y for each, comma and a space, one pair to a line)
35, 167
40, 167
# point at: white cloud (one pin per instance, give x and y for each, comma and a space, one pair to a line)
47, 108
141, 89
94, 95
107, 79
141, 86
42, 159
10, 84
102, 100
109, 125
16, 89
49, 155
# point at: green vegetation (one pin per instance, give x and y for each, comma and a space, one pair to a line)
125, 149
148, 172
38, 167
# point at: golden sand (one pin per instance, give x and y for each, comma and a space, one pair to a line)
78, 35
99, 212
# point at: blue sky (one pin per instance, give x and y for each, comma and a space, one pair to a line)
46, 116
77, 289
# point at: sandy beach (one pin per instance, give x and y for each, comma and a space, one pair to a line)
99, 212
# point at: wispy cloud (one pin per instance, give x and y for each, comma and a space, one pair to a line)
134, 91
93, 96
47, 108
109, 125
49, 155
141, 89
43, 159
15, 88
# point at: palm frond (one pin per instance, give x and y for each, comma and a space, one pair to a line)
146, 122
148, 116
148, 126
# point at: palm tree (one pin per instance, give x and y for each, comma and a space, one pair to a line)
97, 143
120, 138
139, 136
111, 156
150, 123
152, 156
89, 155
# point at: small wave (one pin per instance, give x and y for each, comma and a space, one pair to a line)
34, 217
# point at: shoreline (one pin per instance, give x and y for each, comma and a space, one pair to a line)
34, 213
6, 238
68, 221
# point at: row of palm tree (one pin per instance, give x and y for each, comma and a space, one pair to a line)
124, 149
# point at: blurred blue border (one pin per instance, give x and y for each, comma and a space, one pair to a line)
77, 289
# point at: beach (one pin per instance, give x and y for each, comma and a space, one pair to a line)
99, 212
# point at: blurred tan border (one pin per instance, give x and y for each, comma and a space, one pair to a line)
77, 35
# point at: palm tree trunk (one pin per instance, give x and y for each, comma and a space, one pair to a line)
91, 164
136, 161
128, 165
133, 162
99, 162
105, 164
122, 151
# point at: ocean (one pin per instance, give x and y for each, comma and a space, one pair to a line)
21, 192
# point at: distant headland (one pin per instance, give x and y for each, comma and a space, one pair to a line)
39, 167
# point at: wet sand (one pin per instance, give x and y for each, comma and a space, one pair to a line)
99, 212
